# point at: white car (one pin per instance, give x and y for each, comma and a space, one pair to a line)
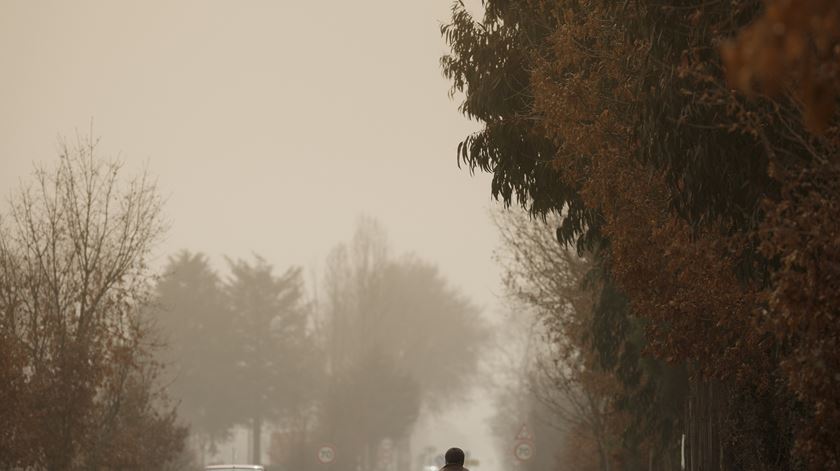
233, 467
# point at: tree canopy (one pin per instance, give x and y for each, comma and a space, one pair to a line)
398, 339
690, 194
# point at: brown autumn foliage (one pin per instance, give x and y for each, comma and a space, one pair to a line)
794, 45
16, 414
682, 277
681, 280
802, 232
793, 50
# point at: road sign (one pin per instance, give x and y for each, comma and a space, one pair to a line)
524, 450
525, 434
326, 454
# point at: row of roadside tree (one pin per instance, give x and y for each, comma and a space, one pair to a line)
680, 164
351, 367
108, 363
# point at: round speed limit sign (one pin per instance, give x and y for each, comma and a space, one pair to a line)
326, 454
524, 450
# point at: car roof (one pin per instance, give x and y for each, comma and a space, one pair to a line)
235, 466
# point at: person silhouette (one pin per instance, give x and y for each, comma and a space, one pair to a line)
454, 458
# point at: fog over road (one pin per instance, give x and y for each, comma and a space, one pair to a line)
271, 127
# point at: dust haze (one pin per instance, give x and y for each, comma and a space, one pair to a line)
430, 235
281, 135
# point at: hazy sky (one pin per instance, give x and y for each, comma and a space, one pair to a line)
271, 126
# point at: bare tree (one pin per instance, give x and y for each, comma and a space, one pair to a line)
73, 269
547, 280
397, 338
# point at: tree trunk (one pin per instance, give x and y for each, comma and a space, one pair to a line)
705, 409
256, 442
202, 446
604, 457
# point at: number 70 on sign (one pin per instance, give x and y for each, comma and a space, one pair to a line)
326, 454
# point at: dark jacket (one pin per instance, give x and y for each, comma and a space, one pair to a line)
454, 467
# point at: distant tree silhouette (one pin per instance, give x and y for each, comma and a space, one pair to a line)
272, 350
193, 315
397, 338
